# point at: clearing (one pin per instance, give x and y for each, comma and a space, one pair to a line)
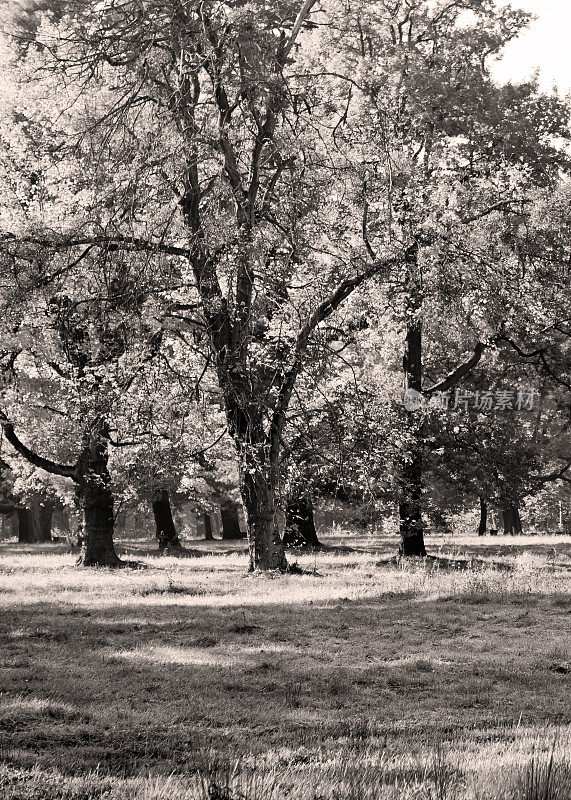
187, 678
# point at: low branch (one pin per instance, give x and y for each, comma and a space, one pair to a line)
35, 459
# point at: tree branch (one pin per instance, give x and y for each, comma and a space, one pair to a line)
499, 206
321, 313
38, 461
110, 243
554, 476
463, 369
300, 19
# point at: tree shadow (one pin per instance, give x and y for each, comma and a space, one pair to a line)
137, 688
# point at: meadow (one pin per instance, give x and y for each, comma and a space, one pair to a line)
184, 678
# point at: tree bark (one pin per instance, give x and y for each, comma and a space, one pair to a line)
230, 519
483, 517
264, 542
512, 521
410, 494
207, 527
166, 532
300, 525
258, 477
96, 503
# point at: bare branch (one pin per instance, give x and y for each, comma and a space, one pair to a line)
300, 19
110, 243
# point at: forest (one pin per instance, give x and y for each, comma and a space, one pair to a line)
284, 296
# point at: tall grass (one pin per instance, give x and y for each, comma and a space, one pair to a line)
441, 774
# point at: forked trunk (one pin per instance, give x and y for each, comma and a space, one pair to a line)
512, 521
166, 533
230, 519
96, 503
300, 525
483, 517
410, 494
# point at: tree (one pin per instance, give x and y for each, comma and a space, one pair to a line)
212, 165
230, 519
452, 155
268, 168
503, 443
166, 532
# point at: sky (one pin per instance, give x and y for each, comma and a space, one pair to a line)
547, 45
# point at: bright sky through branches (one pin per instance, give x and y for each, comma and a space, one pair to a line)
545, 45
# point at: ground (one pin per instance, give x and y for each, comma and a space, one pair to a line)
359, 678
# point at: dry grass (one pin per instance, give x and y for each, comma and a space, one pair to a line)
188, 679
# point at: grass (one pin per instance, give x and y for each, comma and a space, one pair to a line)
189, 679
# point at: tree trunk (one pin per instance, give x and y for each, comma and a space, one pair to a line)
410, 494
35, 522
512, 521
165, 528
96, 503
230, 519
25, 528
300, 525
266, 548
45, 517
483, 517
207, 527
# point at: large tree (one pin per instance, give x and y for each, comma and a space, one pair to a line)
271, 162
449, 166
199, 145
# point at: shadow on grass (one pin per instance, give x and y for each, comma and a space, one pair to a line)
132, 689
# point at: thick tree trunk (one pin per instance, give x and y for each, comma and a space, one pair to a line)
96, 503
300, 525
164, 523
25, 528
45, 518
208, 536
266, 548
512, 521
410, 494
230, 519
483, 517
259, 472
35, 522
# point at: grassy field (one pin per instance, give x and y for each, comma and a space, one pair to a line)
187, 678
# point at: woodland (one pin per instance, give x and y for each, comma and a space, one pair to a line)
233, 234
285, 415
